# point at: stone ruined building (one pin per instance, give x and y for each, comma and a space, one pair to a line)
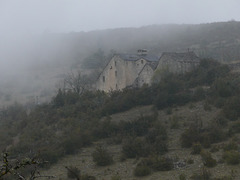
125, 70
178, 62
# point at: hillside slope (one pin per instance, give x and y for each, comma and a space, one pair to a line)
124, 169
37, 65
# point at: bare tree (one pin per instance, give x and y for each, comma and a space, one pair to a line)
76, 82
14, 167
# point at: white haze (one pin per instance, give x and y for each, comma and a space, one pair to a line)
30, 16
22, 23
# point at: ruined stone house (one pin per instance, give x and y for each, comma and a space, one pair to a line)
134, 70
178, 62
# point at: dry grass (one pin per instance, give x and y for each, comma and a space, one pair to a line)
186, 116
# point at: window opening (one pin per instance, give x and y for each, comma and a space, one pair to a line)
103, 78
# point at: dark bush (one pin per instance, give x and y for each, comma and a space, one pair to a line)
73, 172
135, 147
203, 175
231, 157
158, 131
231, 109
142, 170
105, 129
235, 128
50, 155
207, 159
138, 127
196, 148
182, 177
190, 136
230, 146
160, 146
174, 122
101, 157
159, 163
198, 94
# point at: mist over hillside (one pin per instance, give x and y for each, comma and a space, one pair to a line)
32, 65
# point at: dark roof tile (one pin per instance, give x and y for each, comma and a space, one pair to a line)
135, 57
186, 56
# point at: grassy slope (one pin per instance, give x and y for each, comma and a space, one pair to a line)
184, 114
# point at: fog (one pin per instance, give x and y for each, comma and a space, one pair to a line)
37, 42
31, 16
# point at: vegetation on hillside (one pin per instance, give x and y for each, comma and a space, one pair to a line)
72, 121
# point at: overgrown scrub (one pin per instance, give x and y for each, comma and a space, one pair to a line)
196, 148
154, 140
142, 170
231, 157
71, 120
102, 157
230, 146
174, 122
231, 109
135, 147
158, 163
73, 172
207, 159
190, 136
235, 128
137, 127
182, 177
205, 136
204, 174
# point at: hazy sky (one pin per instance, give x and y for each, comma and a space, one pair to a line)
24, 16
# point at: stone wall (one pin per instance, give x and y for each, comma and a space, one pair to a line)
119, 74
145, 76
177, 66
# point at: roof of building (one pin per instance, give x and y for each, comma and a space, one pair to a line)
185, 56
135, 57
153, 64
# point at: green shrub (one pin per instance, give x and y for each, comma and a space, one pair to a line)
138, 127
230, 146
73, 172
207, 159
158, 131
182, 177
231, 157
207, 106
159, 146
135, 147
231, 109
235, 128
142, 170
190, 136
196, 148
87, 177
203, 175
224, 178
221, 120
198, 94
105, 129
190, 161
214, 149
159, 163
174, 122
101, 157
168, 111
50, 155
215, 134
116, 177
